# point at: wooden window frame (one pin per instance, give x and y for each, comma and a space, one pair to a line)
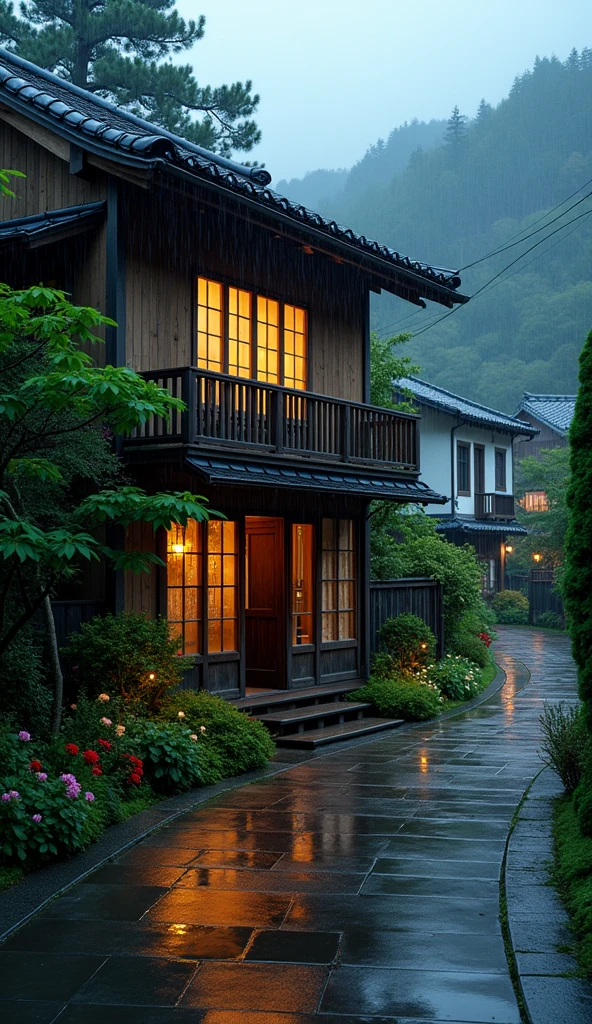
255, 293
337, 580
502, 488
466, 445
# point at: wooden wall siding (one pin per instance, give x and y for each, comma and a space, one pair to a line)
421, 597
141, 589
547, 438
339, 663
171, 239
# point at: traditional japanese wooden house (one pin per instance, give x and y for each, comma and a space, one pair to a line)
256, 312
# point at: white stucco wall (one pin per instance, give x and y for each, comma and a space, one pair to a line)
436, 460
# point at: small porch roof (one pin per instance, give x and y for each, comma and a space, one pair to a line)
42, 228
511, 527
362, 482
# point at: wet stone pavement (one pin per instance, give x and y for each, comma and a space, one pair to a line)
358, 885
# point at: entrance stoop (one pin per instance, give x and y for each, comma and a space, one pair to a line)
310, 718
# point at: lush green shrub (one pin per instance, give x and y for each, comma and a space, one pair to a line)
466, 644
126, 655
26, 700
408, 642
565, 745
42, 817
231, 742
576, 582
457, 678
400, 698
510, 606
573, 877
169, 752
550, 620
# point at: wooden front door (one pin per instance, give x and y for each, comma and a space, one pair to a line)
265, 605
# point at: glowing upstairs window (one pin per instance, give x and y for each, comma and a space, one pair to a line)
239, 333
210, 325
294, 347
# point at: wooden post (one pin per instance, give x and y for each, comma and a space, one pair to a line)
189, 396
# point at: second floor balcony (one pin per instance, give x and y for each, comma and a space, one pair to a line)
494, 506
231, 413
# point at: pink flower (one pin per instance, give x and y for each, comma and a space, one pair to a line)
106, 721
36, 818
72, 786
89, 796
42, 776
24, 736
11, 795
5, 797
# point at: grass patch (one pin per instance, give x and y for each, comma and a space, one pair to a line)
572, 876
10, 876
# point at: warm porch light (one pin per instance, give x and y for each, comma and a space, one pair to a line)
509, 549
537, 557
152, 676
424, 646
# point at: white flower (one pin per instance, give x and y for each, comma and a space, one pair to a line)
202, 728
193, 736
103, 696
180, 714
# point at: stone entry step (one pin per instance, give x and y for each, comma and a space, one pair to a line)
296, 719
266, 703
313, 738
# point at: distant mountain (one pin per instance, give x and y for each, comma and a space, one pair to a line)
484, 186
314, 189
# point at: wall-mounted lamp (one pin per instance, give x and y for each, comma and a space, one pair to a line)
509, 549
537, 557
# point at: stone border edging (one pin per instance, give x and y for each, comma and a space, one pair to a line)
22, 901
537, 920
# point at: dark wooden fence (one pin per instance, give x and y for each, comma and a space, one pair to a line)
543, 595
419, 596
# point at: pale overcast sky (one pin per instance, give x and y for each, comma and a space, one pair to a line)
335, 75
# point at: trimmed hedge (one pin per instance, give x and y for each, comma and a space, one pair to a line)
400, 698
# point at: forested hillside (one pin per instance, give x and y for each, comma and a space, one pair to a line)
490, 179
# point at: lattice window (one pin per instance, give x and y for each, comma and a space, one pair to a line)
338, 580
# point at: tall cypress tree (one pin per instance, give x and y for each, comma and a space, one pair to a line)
577, 578
117, 49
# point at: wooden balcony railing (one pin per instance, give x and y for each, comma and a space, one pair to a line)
229, 412
494, 506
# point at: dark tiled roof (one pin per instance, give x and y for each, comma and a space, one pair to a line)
45, 226
439, 398
510, 527
555, 411
99, 126
371, 484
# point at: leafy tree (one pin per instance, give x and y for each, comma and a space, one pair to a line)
549, 473
117, 49
386, 368
577, 577
55, 408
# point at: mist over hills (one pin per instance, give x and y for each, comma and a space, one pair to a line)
449, 197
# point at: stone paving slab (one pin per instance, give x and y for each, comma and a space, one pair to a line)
359, 885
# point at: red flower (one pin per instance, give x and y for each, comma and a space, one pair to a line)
35, 766
136, 778
96, 770
485, 637
105, 744
90, 756
71, 748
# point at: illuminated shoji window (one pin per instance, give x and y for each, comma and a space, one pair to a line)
294, 347
239, 332
184, 585
302, 583
222, 569
338, 580
268, 340
210, 325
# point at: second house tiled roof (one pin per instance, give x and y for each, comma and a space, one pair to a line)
439, 398
555, 411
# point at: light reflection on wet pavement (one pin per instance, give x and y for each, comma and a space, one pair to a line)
362, 884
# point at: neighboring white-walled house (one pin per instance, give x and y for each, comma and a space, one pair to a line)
466, 454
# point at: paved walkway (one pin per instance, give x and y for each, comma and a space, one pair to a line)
361, 885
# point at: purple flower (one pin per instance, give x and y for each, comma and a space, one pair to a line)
89, 796
42, 776
14, 794
25, 736
5, 797
72, 786
36, 818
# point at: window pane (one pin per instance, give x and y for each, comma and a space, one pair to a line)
267, 340
210, 333
302, 583
339, 584
222, 586
294, 344
214, 636
184, 585
239, 333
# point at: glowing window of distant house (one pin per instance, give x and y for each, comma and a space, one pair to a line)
239, 332
222, 572
210, 325
338, 580
302, 583
295, 368
535, 501
268, 340
184, 585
